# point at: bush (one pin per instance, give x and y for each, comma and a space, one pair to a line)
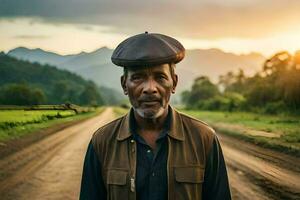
275, 107
236, 101
216, 103
228, 102
293, 137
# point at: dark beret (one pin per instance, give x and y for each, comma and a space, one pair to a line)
148, 49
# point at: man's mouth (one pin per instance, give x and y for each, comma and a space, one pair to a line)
150, 103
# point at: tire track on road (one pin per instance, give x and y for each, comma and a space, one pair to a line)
253, 177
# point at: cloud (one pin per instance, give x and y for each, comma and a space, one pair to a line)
30, 37
191, 19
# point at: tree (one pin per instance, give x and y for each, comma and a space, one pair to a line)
226, 80
277, 64
21, 94
90, 96
38, 96
202, 89
185, 95
283, 73
233, 82
59, 92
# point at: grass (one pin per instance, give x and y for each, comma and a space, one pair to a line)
120, 111
17, 123
13, 118
276, 124
280, 133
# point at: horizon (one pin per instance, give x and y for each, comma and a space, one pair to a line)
204, 47
88, 52
69, 27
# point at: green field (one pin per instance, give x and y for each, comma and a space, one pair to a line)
17, 123
272, 131
25, 117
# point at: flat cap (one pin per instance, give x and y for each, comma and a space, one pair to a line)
148, 49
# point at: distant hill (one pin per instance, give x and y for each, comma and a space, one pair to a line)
99, 57
214, 62
97, 65
39, 55
58, 85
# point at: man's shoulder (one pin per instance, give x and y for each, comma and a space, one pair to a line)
198, 131
106, 131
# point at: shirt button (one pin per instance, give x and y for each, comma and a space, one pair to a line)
148, 151
132, 141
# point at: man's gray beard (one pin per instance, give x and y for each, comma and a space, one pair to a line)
149, 115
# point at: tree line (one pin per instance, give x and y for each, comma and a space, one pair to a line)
25, 83
274, 89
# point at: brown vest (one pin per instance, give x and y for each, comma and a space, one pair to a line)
189, 142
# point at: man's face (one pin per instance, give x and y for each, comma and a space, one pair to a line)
149, 89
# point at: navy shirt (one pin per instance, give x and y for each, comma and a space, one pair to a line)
151, 172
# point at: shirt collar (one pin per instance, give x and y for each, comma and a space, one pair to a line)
173, 128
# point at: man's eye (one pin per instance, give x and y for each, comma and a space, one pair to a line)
161, 77
136, 78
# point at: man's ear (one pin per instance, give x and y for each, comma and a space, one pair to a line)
175, 81
123, 84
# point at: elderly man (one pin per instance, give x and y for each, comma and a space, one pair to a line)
153, 152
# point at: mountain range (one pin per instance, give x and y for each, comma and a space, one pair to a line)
97, 66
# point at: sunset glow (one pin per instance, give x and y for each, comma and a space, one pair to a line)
239, 27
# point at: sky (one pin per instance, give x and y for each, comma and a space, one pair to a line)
73, 26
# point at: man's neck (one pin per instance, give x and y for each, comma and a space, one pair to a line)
150, 129
151, 124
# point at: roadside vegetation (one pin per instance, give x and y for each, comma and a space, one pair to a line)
271, 131
17, 123
263, 109
273, 90
119, 111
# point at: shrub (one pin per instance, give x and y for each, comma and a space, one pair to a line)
275, 107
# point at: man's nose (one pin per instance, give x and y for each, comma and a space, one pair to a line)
150, 86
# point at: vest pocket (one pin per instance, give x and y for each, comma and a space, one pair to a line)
189, 174
188, 182
117, 184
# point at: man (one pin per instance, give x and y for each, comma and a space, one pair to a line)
153, 152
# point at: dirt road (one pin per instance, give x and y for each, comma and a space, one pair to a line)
51, 168
257, 173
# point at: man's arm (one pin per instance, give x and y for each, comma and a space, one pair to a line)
92, 186
215, 184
